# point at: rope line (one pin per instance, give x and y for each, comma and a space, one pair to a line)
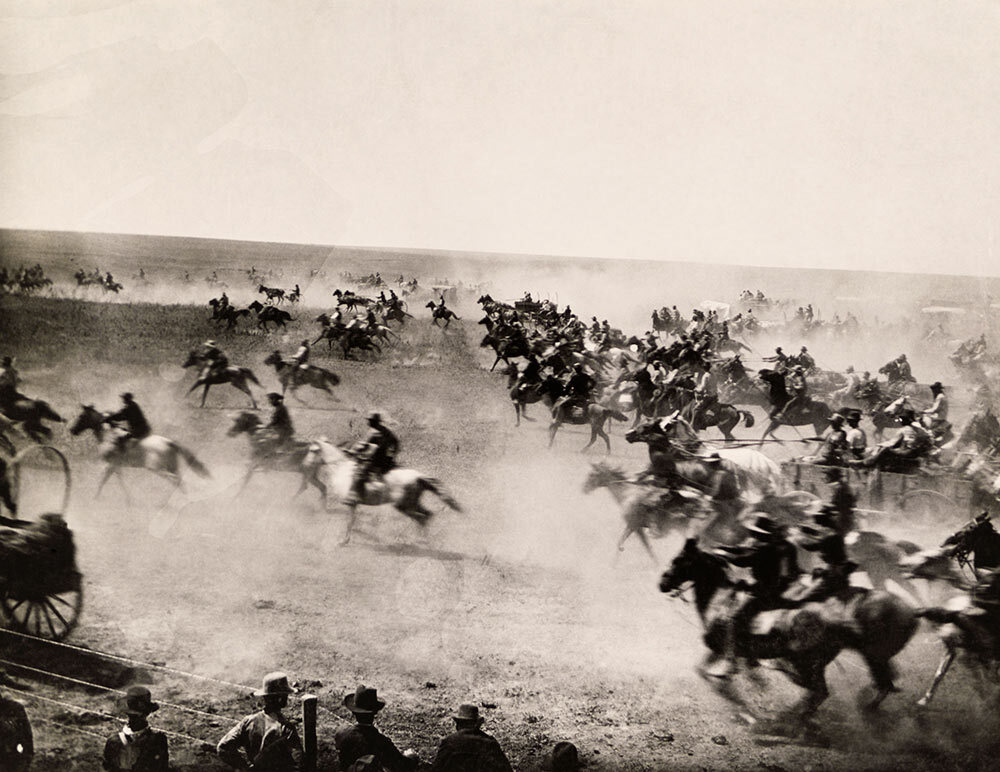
115, 691
126, 660
106, 716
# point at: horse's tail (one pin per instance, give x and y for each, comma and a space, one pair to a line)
191, 460
436, 487
748, 420
248, 373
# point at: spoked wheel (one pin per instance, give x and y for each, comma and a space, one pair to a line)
52, 615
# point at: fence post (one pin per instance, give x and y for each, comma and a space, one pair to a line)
309, 731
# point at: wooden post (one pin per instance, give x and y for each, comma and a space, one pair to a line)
309, 731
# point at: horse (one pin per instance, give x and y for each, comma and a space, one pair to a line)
592, 413
290, 373
876, 624
273, 294
30, 413
297, 458
647, 507
349, 336
441, 312
505, 348
351, 300
239, 377
157, 454
269, 314
400, 487
721, 415
982, 433
812, 412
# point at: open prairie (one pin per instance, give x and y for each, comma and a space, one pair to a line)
519, 603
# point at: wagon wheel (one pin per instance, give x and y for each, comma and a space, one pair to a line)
926, 506
51, 615
40, 459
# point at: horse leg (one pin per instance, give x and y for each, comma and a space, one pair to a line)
204, 394
641, 533
882, 675
599, 432
242, 386
107, 473
121, 481
517, 413
553, 428
352, 516
946, 660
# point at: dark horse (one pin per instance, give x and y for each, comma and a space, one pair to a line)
812, 412
441, 312
30, 413
269, 314
592, 413
875, 624
239, 377
721, 415
290, 373
505, 348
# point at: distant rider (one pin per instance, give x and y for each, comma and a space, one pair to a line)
135, 422
375, 455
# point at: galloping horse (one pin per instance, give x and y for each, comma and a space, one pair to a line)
721, 415
441, 312
400, 487
647, 507
592, 413
812, 412
273, 294
505, 348
157, 454
239, 377
297, 458
291, 373
268, 315
875, 624
30, 413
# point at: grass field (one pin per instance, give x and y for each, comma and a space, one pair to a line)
519, 603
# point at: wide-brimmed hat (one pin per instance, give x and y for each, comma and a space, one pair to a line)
274, 684
139, 702
563, 758
936, 386
836, 418
364, 700
854, 415
126, 395
467, 712
275, 396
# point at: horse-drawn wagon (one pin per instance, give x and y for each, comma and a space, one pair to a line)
926, 496
41, 590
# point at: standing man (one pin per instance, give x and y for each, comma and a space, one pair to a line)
137, 747
266, 740
469, 748
363, 742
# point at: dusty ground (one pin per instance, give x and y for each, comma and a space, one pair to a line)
519, 604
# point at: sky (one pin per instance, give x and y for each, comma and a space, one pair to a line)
786, 133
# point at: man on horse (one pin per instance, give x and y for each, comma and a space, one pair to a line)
805, 360
299, 359
280, 426
824, 537
214, 358
578, 389
706, 393
773, 566
530, 375
798, 389
375, 454
10, 379
780, 359
136, 425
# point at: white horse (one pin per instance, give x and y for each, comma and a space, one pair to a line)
155, 453
402, 488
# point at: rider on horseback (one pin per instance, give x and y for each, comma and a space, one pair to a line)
798, 388
9, 381
774, 567
935, 418
299, 359
280, 426
578, 389
780, 359
531, 374
906, 449
805, 360
214, 358
136, 424
824, 537
375, 455
706, 393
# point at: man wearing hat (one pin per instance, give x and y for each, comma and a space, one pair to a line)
280, 424
214, 358
564, 757
17, 745
376, 455
857, 440
355, 743
9, 381
135, 421
835, 443
823, 536
469, 748
773, 567
805, 359
300, 357
137, 747
935, 418
903, 453
265, 740
798, 388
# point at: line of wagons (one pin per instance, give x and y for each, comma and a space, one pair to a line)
41, 589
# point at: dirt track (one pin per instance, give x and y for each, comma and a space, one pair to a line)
519, 603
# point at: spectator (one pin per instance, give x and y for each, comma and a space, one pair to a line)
355, 744
137, 747
17, 745
265, 741
563, 758
469, 748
